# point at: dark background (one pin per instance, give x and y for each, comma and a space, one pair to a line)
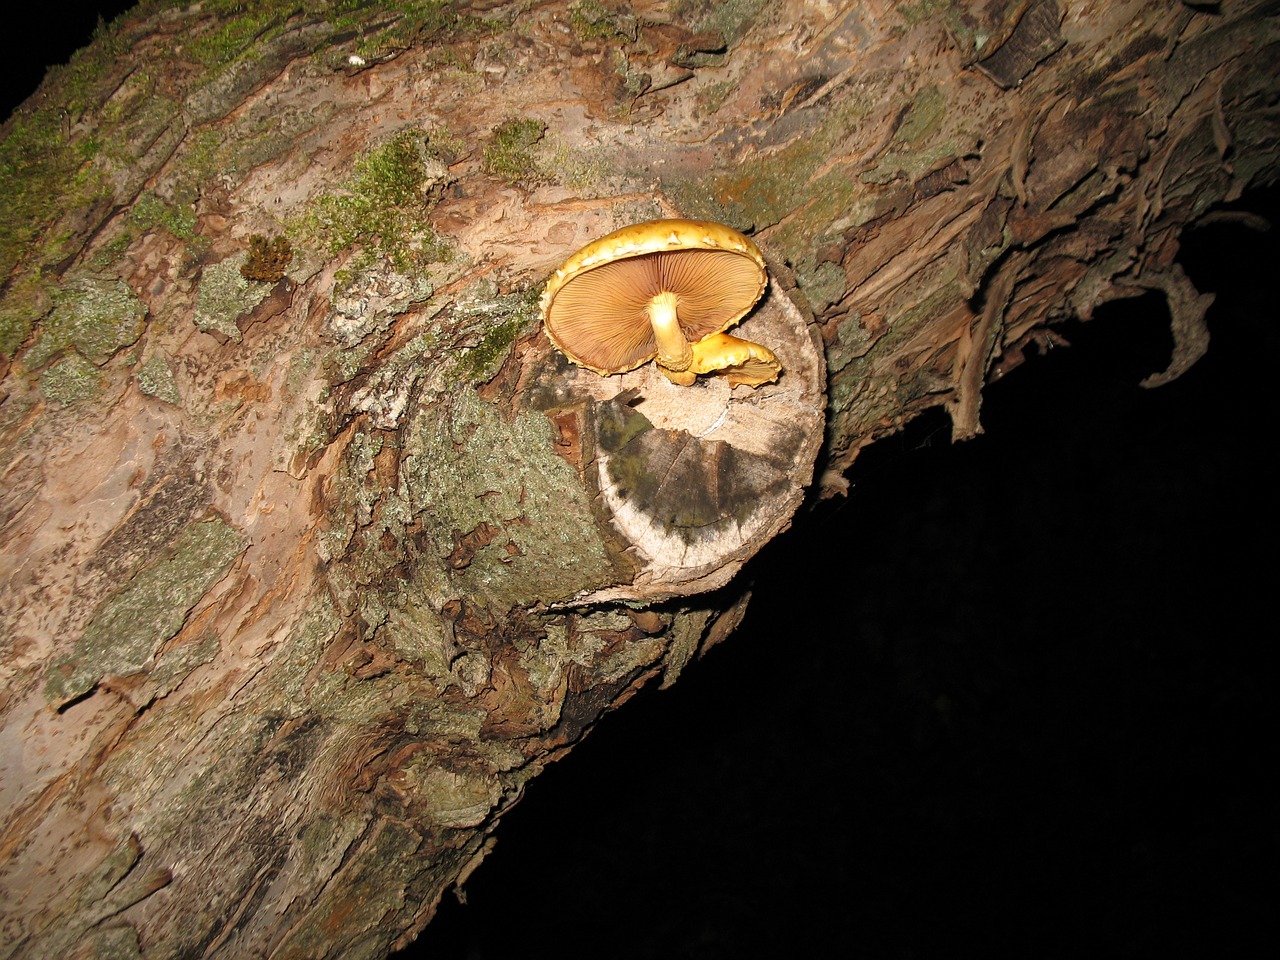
41, 34
1020, 691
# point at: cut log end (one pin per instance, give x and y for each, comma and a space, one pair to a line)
691, 482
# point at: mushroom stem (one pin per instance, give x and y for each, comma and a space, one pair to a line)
674, 351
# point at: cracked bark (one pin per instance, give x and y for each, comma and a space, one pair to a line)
304, 580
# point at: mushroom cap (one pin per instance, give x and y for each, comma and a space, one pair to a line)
737, 360
595, 306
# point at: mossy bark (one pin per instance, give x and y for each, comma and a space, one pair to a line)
306, 572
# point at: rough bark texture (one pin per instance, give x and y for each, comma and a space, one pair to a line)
314, 551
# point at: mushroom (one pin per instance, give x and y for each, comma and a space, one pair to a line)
663, 290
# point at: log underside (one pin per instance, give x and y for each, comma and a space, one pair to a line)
314, 553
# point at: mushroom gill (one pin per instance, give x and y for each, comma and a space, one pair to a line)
655, 291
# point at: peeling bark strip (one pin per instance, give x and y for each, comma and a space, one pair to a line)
307, 569
1025, 33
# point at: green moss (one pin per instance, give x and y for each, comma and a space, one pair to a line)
80, 82
418, 23
393, 174
590, 20
22, 305
48, 166
203, 157
52, 165
582, 170
129, 626
506, 319
150, 213
509, 153
170, 202
42, 173
70, 380
381, 208
426, 20
231, 37
482, 361
147, 128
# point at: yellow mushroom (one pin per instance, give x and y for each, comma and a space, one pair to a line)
664, 290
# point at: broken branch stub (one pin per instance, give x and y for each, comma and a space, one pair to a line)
688, 482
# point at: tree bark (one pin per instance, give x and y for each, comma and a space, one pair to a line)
316, 551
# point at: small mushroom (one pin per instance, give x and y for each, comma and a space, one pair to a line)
664, 290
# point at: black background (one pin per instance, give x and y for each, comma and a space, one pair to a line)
39, 35
1021, 690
